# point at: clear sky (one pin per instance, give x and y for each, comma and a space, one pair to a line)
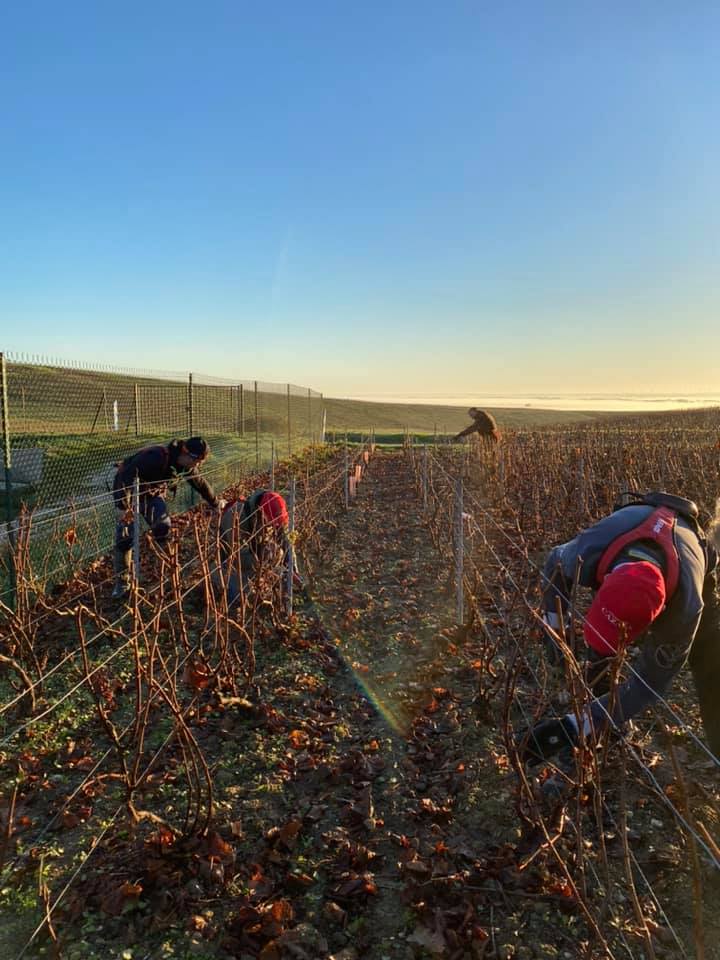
366, 198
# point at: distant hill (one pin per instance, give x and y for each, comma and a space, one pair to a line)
355, 415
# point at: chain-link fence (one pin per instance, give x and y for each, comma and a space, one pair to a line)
64, 427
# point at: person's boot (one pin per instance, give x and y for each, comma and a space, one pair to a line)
122, 562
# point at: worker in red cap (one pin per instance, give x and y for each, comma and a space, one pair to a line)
256, 528
159, 469
654, 576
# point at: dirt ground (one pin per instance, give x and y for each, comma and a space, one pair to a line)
365, 805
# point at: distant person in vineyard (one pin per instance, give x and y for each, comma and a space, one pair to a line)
653, 571
257, 528
159, 468
483, 424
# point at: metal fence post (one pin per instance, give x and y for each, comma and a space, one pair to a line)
291, 550
272, 464
459, 554
137, 410
190, 410
289, 423
136, 529
310, 429
241, 411
191, 424
257, 429
97, 413
7, 463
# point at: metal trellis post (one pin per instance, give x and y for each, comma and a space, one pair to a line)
289, 422
257, 429
291, 549
7, 463
425, 477
136, 529
459, 554
346, 488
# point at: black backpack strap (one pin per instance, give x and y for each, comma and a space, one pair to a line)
687, 509
684, 508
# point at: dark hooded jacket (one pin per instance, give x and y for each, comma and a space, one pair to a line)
158, 471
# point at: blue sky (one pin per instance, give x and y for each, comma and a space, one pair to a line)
373, 198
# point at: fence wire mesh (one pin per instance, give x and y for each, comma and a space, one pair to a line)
65, 426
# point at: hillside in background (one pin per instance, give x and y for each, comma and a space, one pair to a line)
424, 418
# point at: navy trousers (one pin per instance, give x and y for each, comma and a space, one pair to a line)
154, 512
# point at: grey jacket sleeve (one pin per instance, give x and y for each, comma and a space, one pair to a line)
650, 677
558, 575
661, 658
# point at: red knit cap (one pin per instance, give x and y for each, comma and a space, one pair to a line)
629, 599
274, 509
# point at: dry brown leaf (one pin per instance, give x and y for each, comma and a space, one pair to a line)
271, 951
220, 849
299, 739
124, 896
197, 676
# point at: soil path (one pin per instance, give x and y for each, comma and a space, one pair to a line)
413, 784
364, 804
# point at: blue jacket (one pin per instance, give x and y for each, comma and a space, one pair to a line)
668, 642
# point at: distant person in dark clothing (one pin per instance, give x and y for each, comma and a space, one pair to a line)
483, 424
159, 468
653, 571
